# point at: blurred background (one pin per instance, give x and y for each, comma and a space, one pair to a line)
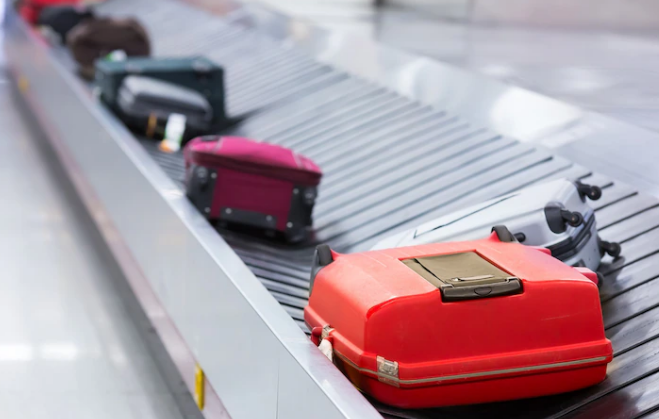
597, 54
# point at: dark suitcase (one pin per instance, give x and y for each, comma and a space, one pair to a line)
30, 10
145, 104
458, 323
96, 38
62, 19
195, 73
243, 182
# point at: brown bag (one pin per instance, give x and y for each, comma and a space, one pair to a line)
97, 38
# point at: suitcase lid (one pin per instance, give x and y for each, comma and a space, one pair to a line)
152, 94
248, 155
388, 319
137, 65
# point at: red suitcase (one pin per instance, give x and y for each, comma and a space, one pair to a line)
260, 185
30, 9
458, 323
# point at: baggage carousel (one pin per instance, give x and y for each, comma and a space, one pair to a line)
391, 161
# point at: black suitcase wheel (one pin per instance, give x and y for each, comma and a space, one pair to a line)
611, 248
575, 219
595, 193
521, 237
558, 218
592, 192
505, 236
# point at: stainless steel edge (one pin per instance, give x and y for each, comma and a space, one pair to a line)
617, 149
255, 357
175, 346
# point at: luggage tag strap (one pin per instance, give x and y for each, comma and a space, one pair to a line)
174, 131
151, 125
321, 337
320, 333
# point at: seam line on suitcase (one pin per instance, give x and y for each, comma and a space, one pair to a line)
478, 374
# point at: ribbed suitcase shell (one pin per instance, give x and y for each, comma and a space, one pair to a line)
525, 213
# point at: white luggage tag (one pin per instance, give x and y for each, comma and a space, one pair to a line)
326, 348
174, 131
117, 55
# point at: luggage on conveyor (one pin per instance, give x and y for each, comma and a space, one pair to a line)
458, 323
145, 104
96, 38
30, 10
244, 182
62, 19
195, 73
555, 215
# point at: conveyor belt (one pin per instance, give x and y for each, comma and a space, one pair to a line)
391, 163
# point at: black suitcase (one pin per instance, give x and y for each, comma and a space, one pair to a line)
145, 104
61, 19
196, 73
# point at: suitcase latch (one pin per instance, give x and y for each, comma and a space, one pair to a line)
473, 278
327, 329
387, 371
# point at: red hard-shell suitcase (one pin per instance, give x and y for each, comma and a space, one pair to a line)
459, 323
245, 182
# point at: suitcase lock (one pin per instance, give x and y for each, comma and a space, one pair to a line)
387, 371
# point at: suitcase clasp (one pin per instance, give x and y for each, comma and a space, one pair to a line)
472, 278
387, 371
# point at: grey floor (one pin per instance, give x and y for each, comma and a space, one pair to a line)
68, 348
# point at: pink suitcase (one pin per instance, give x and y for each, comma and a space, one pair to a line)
244, 182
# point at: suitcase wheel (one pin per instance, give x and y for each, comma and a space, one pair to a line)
592, 192
575, 219
559, 218
610, 248
504, 234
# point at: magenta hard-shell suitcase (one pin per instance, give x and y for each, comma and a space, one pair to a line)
245, 182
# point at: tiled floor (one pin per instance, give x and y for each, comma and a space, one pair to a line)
67, 346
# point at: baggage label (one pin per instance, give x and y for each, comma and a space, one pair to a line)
117, 55
174, 131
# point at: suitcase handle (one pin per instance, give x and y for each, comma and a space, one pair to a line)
202, 70
510, 286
